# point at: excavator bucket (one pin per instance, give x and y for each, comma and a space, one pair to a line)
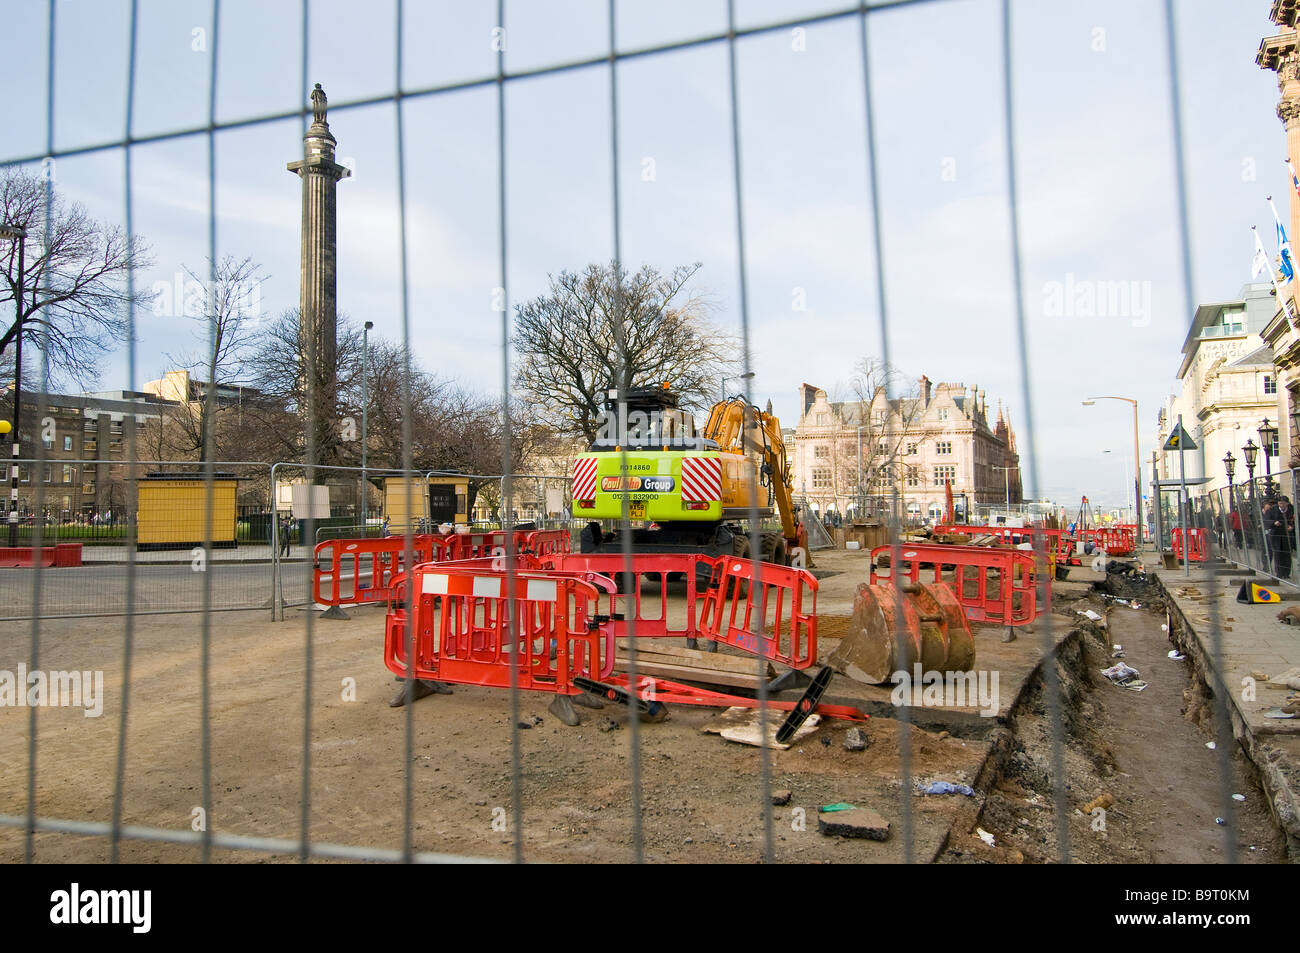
891, 630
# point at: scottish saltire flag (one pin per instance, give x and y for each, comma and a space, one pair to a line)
1283, 245
1295, 182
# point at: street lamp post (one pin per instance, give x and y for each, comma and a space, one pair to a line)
19, 234
1230, 467
741, 377
1137, 460
1006, 479
365, 409
1249, 451
1268, 441
857, 505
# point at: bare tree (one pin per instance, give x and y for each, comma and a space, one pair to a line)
72, 292
606, 328
889, 405
227, 327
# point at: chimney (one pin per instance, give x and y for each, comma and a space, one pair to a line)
925, 391
807, 396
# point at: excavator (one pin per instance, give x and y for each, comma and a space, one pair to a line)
687, 491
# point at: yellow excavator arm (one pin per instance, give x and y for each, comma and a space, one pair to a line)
740, 428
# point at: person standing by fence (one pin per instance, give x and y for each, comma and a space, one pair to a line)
286, 528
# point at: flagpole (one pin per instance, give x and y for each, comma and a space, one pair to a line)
1286, 304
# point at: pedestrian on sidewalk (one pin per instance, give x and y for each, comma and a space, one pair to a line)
286, 527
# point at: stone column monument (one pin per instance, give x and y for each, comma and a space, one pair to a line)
318, 298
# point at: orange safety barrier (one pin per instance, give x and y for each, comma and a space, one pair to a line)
1119, 540
648, 609
780, 602
545, 542
1196, 544
461, 628
1009, 598
454, 620
381, 559
1060, 544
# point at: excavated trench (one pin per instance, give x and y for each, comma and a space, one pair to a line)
1141, 784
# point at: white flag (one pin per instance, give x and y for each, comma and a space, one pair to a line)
1260, 264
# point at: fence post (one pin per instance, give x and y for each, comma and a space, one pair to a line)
277, 597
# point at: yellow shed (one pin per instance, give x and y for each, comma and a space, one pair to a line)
171, 513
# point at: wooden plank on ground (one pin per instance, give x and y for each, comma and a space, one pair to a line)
658, 668
661, 649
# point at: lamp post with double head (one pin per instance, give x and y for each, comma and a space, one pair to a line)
739, 377
1137, 460
18, 234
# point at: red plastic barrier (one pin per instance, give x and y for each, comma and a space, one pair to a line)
780, 601
460, 627
647, 605
1010, 598
1060, 544
545, 542
1119, 540
1196, 547
382, 558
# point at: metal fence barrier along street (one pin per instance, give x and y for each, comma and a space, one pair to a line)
150, 577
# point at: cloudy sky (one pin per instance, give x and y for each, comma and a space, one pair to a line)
1094, 150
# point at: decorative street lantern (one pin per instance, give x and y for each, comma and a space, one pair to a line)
1250, 450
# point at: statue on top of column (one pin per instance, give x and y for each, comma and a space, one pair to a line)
318, 104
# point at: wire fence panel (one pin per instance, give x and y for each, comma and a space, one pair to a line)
129, 537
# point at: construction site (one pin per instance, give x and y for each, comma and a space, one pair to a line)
521, 453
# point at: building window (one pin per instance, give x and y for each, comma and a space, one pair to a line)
943, 413
879, 417
821, 451
944, 475
911, 449
67, 443
49, 473
913, 476
943, 447
823, 420
821, 479
1270, 384
24, 475
68, 475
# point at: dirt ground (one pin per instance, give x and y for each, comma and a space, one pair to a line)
702, 795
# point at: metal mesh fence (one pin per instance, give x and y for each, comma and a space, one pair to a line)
121, 574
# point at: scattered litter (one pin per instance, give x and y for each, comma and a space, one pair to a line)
1211, 745
1239, 797
1118, 653
1259, 676
1102, 801
1278, 713
984, 835
946, 787
1220, 821
1125, 676
1176, 655
1090, 614
1164, 627
837, 806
